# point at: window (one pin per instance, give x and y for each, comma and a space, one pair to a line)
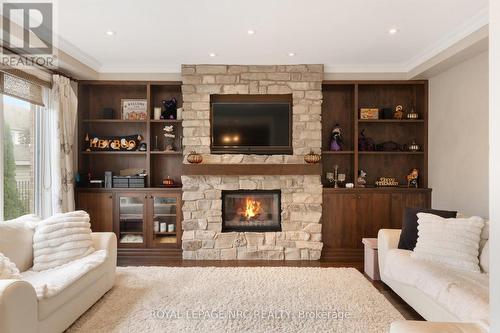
19, 157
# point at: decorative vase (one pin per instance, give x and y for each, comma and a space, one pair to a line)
194, 157
312, 157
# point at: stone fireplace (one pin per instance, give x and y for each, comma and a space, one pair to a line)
211, 234
251, 210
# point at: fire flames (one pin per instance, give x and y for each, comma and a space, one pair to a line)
252, 208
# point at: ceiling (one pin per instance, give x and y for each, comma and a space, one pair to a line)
345, 35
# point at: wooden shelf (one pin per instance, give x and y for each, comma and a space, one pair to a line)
113, 152
114, 121
342, 152
167, 121
155, 152
251, 169
397, 121
166, 233
391, 153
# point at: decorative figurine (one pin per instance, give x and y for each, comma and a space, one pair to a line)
169, 137
169, 109
398, 112
336, 141
413, 146
413, 178
361, 178
143, 146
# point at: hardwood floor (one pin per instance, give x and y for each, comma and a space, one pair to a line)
406, 311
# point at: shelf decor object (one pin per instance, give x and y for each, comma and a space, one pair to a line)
112, 143
413, 146
134, 109
312, 157
412, 115
194, 158
369, 113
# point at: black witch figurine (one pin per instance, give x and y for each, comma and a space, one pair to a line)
336, 141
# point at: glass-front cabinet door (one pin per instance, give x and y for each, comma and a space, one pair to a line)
131, 220
165, 229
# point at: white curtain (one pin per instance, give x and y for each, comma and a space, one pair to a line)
58, 127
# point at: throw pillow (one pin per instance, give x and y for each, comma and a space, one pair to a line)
409, 232
453, 242
61, 239
484, 258
16, 240
8, 269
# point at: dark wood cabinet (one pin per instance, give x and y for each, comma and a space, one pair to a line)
352, 214
99, 206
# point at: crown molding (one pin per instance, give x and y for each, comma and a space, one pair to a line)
472, 25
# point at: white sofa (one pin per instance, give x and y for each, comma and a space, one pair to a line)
440, 318
22, 311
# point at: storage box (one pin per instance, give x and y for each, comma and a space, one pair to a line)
129, 181
371, 258
368, 113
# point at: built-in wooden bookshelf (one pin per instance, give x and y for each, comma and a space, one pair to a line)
341, 103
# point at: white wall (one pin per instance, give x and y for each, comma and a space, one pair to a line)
458, 137
495, 164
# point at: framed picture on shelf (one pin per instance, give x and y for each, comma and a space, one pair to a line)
134, 109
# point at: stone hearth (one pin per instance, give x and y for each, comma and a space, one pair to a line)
301, 195
300, 238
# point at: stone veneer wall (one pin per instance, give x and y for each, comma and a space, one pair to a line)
302, 81
301, 199
300, 238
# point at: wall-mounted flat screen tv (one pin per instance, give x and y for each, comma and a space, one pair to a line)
251, 127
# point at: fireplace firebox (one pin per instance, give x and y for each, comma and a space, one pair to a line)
251, 210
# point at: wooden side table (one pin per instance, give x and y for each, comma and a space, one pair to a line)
371, 258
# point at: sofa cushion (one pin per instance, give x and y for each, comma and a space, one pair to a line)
409, 230
453, 242
16, 240
8, 269
63, 283
464, 294
61, 239
484, 258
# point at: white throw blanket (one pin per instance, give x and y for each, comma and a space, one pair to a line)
51, 282
464, 294
61, 239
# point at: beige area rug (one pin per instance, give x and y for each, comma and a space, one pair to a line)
239, 299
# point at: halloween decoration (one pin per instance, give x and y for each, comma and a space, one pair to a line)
312, 157
169, 109
134, 109
412, 115
361, 178
388, 146
169, 137
398, 112
412, 178
336, 141
386, 182
364, 143
168, 182
368, 113
194, 157
112, 143
413, 146
143, 146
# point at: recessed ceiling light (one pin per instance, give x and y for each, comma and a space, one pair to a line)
212, 55
393, 31
291, 54
110, 32
251, 32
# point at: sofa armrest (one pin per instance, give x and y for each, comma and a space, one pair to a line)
387, 239
432, 327
18, 307
106, 241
